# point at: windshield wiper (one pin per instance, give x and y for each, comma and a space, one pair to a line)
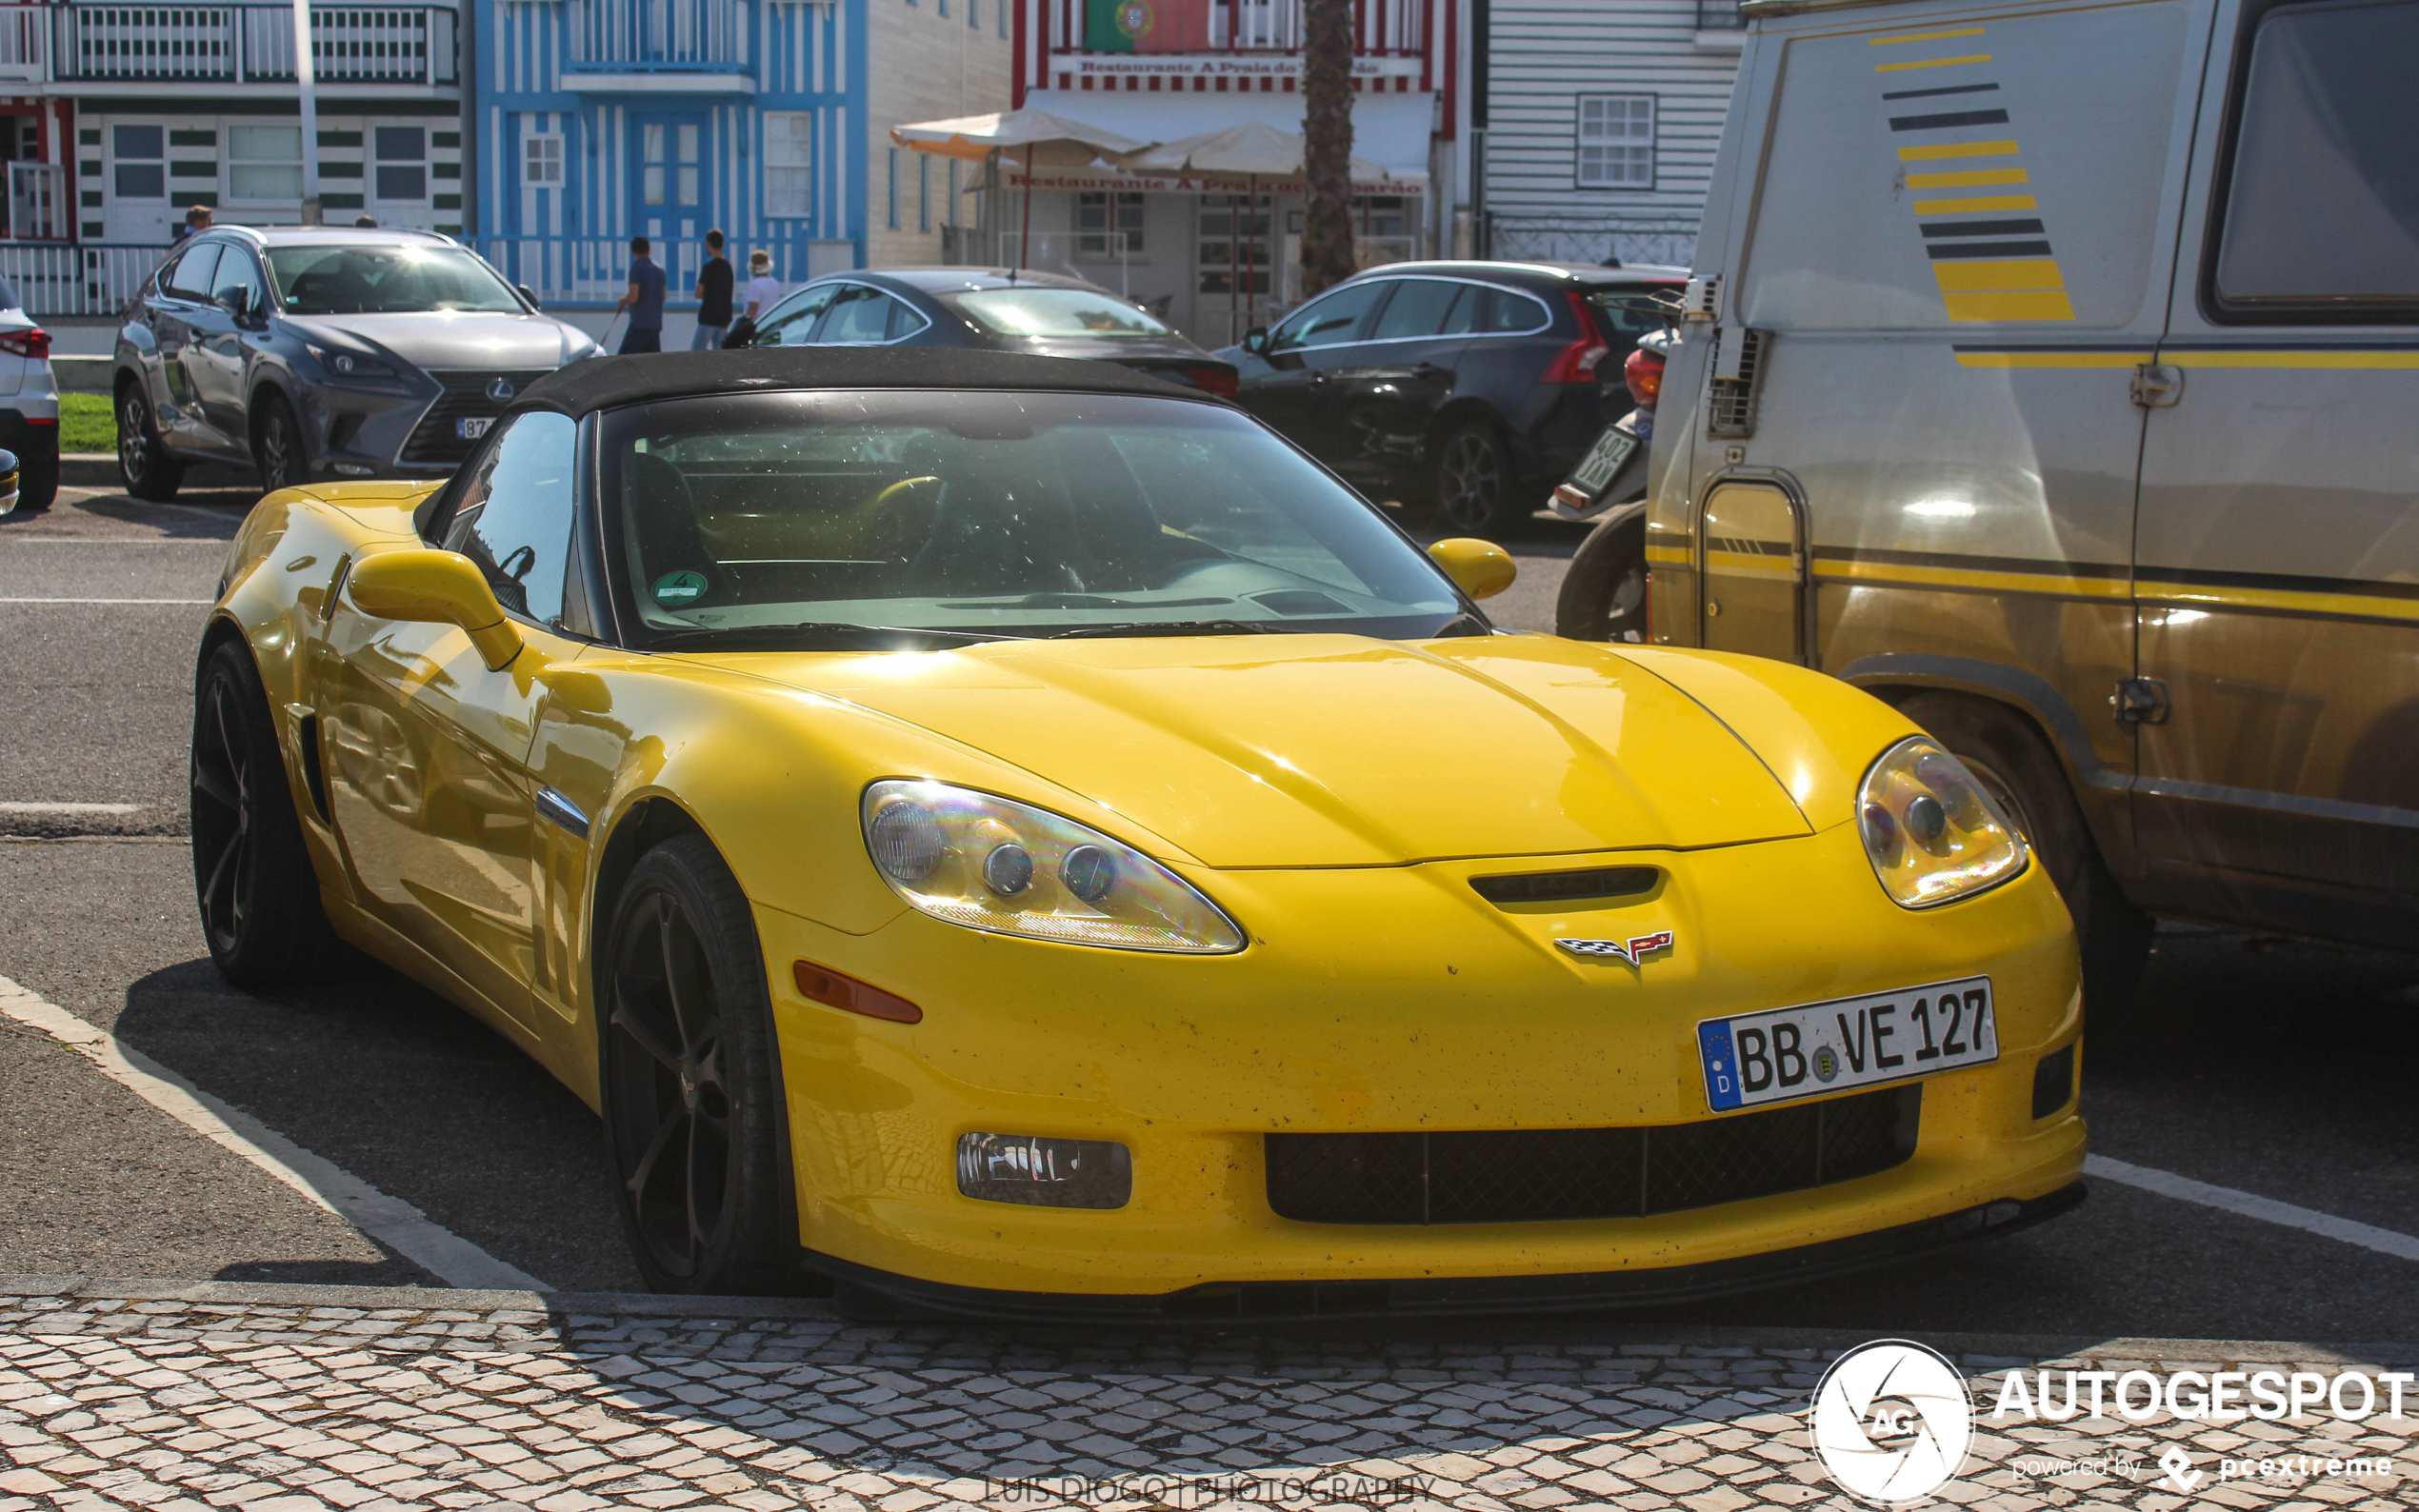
1174, 628
870, 636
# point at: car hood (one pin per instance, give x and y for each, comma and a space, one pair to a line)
1335, 750
450, 341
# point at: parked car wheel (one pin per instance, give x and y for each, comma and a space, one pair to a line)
143, 459
278, 444
2012, 762
1476, 490
693, 1100
1604, 595
252, 877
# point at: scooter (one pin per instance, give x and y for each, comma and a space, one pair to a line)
1604, 595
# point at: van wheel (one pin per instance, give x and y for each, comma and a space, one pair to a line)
693, 1122
1476, 489
1604, 595
143, 459
2009, 757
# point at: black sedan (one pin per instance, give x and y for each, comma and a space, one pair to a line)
997, 310
1472, 386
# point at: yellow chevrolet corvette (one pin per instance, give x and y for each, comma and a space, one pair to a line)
1013, 837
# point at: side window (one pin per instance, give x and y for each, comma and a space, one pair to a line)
861, 316
1330, 320
791, 322
515, 516
1509, 313
2322, 215
1420, 307
190, 277
236, 274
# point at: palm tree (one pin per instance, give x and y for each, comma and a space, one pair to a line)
1326, 143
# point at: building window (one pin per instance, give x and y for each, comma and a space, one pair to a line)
948, 213
893, 219
941, 8
788, 171
1107, 224
1616, 141
999, 15
542, 160
264, 163
974, 14
923, 193
139, 170
402, 163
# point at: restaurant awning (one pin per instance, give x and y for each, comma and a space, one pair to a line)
1391, 130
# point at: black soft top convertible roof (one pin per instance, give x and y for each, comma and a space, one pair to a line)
604, 382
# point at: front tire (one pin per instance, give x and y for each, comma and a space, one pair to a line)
1604, 595
2017, 768
252, 875
143, 460
277, 445
691, 1089
1477, 489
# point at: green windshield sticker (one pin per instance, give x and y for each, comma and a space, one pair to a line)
675, 589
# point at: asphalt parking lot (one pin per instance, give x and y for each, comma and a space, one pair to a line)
2265, 1067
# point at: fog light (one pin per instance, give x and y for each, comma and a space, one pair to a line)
2053, 1081
1038, 1171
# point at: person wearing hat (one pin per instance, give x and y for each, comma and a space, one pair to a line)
764, 291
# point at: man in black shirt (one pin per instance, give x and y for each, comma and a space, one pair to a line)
715, 282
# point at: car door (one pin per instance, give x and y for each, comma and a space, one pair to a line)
215, 348
2277, 550
1388, 389
1294, 391
427, 776
183, 295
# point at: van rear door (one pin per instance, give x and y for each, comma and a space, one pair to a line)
2278, 546
1958, 244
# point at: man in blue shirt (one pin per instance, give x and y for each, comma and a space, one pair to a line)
644, 302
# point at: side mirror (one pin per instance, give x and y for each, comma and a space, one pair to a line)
523, 289
236, 299
436, 588
8, 482
1479, 568
1255, 341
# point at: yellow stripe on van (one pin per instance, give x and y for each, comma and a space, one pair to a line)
1743, 565
2051, 359
1670, 555
2361, 604
1971, 178
1944, 577
1995, 305
1924, 154
1930, 62
2015, 272
1923, 36
2256, 358
1989, 202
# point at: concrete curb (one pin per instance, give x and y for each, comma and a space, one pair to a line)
737, 1309
98, 469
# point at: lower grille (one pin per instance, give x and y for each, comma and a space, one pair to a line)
434, 440
1529, 1175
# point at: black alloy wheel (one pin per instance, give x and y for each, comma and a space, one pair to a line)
253, 874
693, 1103
143, 460
1475, 486
277, 445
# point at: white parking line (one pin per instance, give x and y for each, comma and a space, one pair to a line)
108, 601
71, 808
389, 1220
2166, 1184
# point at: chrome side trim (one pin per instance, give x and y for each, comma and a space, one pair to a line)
565, 813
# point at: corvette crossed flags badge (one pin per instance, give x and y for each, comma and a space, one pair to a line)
1634, 950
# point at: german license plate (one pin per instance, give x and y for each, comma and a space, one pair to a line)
1603, 460
471, 427
1785, 1054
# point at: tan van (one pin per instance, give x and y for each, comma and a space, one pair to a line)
2054, 372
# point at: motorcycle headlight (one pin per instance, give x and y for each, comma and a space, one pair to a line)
1932, 832
993, 863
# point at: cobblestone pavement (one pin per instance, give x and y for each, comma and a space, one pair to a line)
178, 1396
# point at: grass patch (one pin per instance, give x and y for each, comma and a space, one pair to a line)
86, 423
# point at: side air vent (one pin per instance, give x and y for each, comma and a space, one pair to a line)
1738, 365
1563, 887
314, 774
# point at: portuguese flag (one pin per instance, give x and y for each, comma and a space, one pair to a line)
1146, 25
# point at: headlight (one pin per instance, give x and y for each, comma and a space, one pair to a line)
990, 864
1933, 833
347, 365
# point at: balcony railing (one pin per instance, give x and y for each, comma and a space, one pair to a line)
254, 44
1379, 26
685, 35
24, 41
1719, 15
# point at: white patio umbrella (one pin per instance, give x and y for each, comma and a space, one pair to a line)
1048, 140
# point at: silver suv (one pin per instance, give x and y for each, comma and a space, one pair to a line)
308, 353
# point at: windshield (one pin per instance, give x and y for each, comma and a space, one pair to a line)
386, 281
996, 514
1057, 312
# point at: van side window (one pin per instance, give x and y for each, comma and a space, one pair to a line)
515, 517
2322, 215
